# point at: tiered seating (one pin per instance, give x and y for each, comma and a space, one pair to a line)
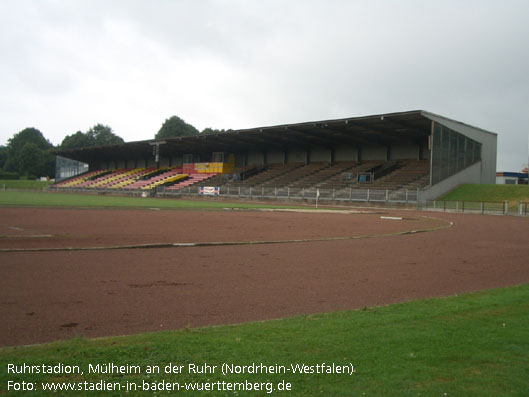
401, 175
76, 180
273, 171
335, 171
170, 175
130, 178
346, 178
412, 171
104, 179
125, 177
296, 176
192, 180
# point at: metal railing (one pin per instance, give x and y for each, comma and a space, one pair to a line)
410, 196
286, 193
476, 207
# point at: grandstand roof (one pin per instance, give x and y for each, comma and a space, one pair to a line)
380, 129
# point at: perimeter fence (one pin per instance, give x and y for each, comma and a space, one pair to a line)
476, 207
300, 194
407, 197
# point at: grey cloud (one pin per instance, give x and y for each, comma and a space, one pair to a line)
248, 63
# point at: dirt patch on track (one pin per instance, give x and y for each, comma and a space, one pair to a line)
53, 295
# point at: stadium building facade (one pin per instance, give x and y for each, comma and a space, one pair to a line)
414, 150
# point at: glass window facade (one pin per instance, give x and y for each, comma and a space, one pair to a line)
66, 168
451, 152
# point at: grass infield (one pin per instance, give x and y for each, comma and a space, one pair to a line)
472, 345
37, 199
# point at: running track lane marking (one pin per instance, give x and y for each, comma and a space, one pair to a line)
227, 243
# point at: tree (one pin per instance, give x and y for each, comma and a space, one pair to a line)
98, 135
75, 140
174, 126
28, 135
3, 156
30, 160
209, 130
28, 153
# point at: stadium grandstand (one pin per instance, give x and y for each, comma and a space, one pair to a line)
405, 156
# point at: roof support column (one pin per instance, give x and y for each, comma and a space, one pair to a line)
430, 144
156, 151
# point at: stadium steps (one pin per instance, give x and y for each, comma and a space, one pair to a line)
194, 179
150, 177
411, 171
239, 175
346, 179
327, 174
274, 171
78, 179
130, 179
93, 183
123, 177
110, 178
296, 176
172, 175
163, 181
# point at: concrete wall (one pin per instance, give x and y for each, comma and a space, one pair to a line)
404, 151
346, 153
275, 157
318, 154
468, 175
177, 161
164, 162
255, 158
297, 155
374, 152
487, 139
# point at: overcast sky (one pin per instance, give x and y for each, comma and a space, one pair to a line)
67, 65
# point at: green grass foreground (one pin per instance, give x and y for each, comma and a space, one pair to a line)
471, 192
468, 345
21, 198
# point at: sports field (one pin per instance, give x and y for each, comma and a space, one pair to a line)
69, 272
